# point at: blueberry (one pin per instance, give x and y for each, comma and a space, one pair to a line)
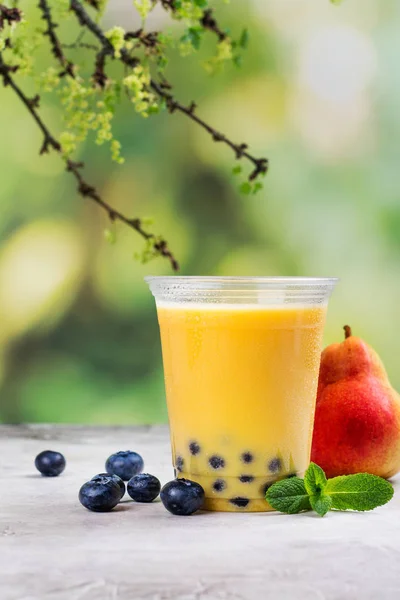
144, 487
217, 462
247, 457
219, 485
125, 464
101, 495
179, 464
240, 502
114, 478
194, 448
49, 463
182, 497
275, 465
246, 478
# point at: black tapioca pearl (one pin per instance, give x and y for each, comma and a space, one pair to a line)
194, 448
247, 457
265, 487
291, 475
179, 464
216, 462
240, 502
275, 465
219, 485
246, 478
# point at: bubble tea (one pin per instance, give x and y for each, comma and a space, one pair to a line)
241, 360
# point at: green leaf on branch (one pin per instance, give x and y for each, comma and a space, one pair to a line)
244, 39
110, 236
246, 188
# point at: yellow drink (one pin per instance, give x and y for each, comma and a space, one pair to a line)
241, 360
241, 385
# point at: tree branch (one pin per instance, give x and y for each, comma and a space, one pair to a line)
56, 46
85, 189
240, 150
208, 21
9, 14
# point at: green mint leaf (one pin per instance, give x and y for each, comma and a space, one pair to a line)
321, 503
358, 492
314, 479
288, 496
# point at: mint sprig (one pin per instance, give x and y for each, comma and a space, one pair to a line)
359, 492
290, 498
315, 482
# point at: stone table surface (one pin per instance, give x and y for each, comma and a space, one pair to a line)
51, 548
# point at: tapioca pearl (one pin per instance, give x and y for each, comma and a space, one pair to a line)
275, 465
291, 475
265, 487
239, 501
179, 463
246, 478
247, 457
219, 485
194, 448
216, 462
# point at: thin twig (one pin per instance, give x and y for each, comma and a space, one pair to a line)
240, 150
84, 188
56, 46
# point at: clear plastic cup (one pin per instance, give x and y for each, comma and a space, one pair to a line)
241, 360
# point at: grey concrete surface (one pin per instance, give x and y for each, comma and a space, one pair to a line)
51, 548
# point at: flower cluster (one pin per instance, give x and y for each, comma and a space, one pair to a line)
138, 87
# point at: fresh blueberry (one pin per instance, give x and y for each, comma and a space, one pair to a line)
217, 462
49, 463
247, 457
101, 495
144, 487
114, 478
240, 502
275, 465
246, 478
182, 497
125, 464
179, 464
194, 448
219, 485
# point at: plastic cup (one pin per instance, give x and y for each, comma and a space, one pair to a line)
241, 360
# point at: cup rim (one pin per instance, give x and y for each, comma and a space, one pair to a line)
204, 279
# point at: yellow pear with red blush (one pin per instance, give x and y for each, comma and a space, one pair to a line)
357, 418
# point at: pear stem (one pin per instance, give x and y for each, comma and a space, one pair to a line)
347, 332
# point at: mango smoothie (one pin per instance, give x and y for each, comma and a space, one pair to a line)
241, 383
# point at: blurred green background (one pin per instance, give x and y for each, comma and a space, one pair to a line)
318, 94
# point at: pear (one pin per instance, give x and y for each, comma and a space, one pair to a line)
357, 418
